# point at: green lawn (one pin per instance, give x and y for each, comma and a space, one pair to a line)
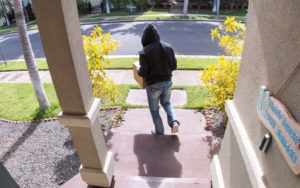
118, 63
125, 13
161, 18
166, 11
13, 28
17, 66
183, 63
18, 101
222, 13
171, 18
195, 63
8, 26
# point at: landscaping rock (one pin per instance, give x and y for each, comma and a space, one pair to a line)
217, 122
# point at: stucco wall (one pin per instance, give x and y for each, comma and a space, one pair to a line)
232, 166
271, 53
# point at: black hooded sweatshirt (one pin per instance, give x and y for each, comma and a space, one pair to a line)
157, 59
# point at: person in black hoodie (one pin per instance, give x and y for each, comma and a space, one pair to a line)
157, 61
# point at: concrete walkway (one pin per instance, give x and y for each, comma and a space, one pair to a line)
139, 97
146, 160
180, 77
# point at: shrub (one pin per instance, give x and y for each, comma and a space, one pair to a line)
96, 46
9, 11
119, 4
83, 7
141, 4
220, 79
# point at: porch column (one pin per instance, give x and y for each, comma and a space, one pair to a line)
60, 33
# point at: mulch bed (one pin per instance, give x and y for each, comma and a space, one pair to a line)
111, 117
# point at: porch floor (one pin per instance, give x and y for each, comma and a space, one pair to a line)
146, 160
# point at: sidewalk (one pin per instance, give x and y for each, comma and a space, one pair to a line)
120, 76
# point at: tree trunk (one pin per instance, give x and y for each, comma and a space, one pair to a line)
5, 13
107, 6
185, 7
29, 56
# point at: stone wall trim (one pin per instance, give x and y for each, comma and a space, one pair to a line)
216, 173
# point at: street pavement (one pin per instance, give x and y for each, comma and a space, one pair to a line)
187, 38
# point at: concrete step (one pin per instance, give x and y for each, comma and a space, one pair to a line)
144, 182
155, 182
169, 161
176, 156
159, 161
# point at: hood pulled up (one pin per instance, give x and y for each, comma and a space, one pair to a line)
150, 35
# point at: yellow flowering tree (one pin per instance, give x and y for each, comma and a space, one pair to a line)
220, 79
96, 46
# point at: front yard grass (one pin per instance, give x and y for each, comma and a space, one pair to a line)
125, 13
166, 11
21, 66
171, 18
13, 28
222, 13
18, 101
119, 63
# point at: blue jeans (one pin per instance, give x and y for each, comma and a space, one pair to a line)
161, 92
